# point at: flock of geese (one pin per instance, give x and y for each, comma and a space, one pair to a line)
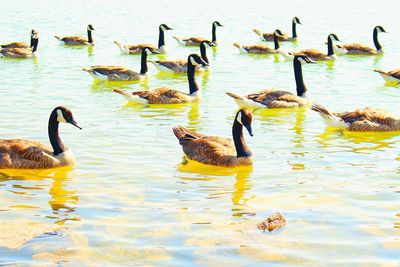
212, 150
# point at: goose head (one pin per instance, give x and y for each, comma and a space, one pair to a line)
64, 115
150, 50
296, 20
278, 33
217, 24
245, 118
90, 27
164, 27
196, 60
207, 43
303, 59
33, 33
379, 29
333, 37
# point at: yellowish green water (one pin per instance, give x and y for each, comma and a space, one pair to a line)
132, 199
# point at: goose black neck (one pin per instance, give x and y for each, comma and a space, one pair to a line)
214, 33
32, 41
143, 64
193, 86
35, 45
376, 41
203, 52
90, 38
294, 30
242, 150
276, 42
330, 47
161, 40
55, 140
298, 75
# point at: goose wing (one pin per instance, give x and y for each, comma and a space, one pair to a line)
277, 99
15, 45
357, 48
176, 65
25, 154
312, 53
74, 40
16, 52
204, 149
258, 49
163, 95
395, 73
137, 48
194, 40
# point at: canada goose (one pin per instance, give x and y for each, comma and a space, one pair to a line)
390, 76
360, 120
315, 54
269, 36
180, 65
165, 95
137, 49
21, 44
195, 41
26, 154
361, 49
119, 73
272, 98
78, 40
261, 48
215, 150
22, 52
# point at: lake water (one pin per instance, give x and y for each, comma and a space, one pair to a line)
132, 199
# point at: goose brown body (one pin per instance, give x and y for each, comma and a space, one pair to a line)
211, 150
136, 48
256, 49
269, 36
215, 150
361, 120
357, 49
15, 45
16, 52
114, 73
312, 53
73, 40
193, 41
26, 154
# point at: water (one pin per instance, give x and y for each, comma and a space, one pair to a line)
132, 199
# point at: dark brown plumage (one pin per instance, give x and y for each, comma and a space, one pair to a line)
360, 120
218, 151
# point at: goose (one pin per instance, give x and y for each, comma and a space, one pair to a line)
361, 49
269, 36
215, 150
22, 52
20, 44
180, 65
390, 76
315, 54
27, 154
137, 49
165, 95
360, 120
78, 40
272, 98
261, 48
119, 73
195, 41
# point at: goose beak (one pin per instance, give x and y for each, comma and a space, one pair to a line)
249, 130
76, 124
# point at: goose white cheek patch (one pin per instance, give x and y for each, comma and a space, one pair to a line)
193, 61
60, 116
239, 118
302, 61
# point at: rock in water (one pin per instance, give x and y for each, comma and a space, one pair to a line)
272, 222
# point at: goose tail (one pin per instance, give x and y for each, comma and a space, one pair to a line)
258, 32
237, 45
179, 40
57, 37
121, 92
381, 71
180, 132
235, 96
87, 69
329, 118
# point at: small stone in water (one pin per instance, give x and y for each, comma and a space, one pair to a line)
272, 222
